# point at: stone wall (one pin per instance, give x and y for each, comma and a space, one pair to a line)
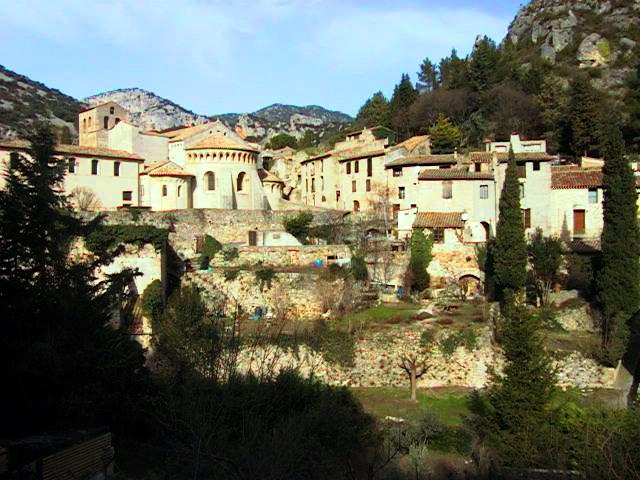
453, 262
301, 255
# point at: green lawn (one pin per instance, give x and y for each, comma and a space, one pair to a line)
448, 404
383, 314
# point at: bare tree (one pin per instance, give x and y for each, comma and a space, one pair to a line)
85, 199
415, 362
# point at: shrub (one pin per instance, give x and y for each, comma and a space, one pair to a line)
264, 276
153, 300
231, 274
466, 338
299, 225
420, 259
107, 237
210, 248
337, 346
580, 275
359, 268
230, 254
204, 262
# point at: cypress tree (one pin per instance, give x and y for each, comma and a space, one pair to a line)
618, 282
510, 252
420, 259
482, 65
583, 114
512, 419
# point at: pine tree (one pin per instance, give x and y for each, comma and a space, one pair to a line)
404, 94
482, 65
454, 71
512, 419
445, 137
582, 116
428, 76
374, 112
510, 254
632, 102
618, 282
420, 259
58, 355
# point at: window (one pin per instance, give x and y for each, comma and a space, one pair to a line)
396, 209
369, 167
112, 110
401, 193
348, 168
337, 195
13, 159
323, 199
522, 170
84, 124
127, 196
164, 190
353, 186
593, 195
117, 120
105, 122
322, 184
357, 166
397, 172
313, 185
579, 223
141, 193
413, 205
477, 167
484, 192
356, 206
522, 190
438, 235
526, 217
447, 189
536, 166
368, 185
210, 181
94, 167
306, 184
116, 169
179, 190
72, 165
240, 182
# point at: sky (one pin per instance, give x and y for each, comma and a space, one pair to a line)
213, 56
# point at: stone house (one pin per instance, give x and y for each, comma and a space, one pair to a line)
111, 175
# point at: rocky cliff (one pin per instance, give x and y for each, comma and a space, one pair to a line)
600, 36
23, 100
151, 111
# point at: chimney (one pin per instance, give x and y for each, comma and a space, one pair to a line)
457, 158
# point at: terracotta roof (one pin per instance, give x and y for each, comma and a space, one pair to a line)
66, 149
573, 177
438, 220
267, 176
453, 174
422, 160
357, 152
179, 134
166, 169
221, 142
486, 157
585, 245
411, 143
318, 157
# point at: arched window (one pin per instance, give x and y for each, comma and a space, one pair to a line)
117, 120
179, 190
84, 124
164, 190
105, 122
210, 180
356, 206
240, 182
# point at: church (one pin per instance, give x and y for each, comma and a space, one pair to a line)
116, 164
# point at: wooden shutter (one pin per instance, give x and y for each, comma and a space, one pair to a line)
579, 223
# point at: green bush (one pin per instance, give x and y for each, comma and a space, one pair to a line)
299, 226
204, 262
153, 300
466, 338
337, 346
210, 248
359, 268
265, 275
333, 272
107, 237
230, 254
231, 274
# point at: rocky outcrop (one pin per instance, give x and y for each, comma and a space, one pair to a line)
588, 34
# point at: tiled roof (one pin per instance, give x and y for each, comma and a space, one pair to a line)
357, 152
267, 176
574, 177
166, 169
318, 157
422, 160
453, 174
221, 142
438, 220
411, 143
66, 149
585, 245
182, 133
486, 157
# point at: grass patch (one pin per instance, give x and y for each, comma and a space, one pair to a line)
449, 405
383, 314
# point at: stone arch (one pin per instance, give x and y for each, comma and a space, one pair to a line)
487, 230
356, 206
470, 284
210, 181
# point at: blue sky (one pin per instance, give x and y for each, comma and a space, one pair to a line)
215, 56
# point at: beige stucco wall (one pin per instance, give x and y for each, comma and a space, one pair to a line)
178, 192
153, 148
91, 124
564, 202
107, 187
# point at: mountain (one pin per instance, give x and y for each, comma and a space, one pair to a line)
147, 109
23, 100
151, 111
598, 36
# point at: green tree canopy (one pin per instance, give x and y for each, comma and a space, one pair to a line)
375, 112
428, 77
282, 140
421, 256
482, 64
454, 71
404, 94
445, 137
583, 116
510, 253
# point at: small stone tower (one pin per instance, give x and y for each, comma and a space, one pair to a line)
95, 123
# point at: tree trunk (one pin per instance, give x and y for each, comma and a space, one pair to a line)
414, 387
